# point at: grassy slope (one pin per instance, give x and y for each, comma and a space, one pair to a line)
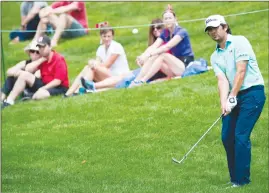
128, 137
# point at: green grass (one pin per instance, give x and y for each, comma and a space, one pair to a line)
127, 137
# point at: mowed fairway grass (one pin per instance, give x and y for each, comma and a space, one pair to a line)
122, 141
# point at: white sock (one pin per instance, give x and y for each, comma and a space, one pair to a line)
10, 101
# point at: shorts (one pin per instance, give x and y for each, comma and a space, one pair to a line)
72, 34
186, 59
53, 91
126, 81
158, 75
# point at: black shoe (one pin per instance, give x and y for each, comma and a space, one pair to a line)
89, 85
27, 93
26, 98
4, 105
67, 96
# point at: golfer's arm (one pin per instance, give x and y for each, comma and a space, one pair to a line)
223, 86
241, 68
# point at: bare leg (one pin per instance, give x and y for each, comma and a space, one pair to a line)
15, 40
176, 66
24, 79
108, 82
42, 26
145, 68
64, 21
3, 96
41, 94
86, 73
101, 73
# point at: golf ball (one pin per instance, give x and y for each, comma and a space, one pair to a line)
135, 31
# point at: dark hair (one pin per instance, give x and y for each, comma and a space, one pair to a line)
106, 28
159, 23
229, 31
169, 9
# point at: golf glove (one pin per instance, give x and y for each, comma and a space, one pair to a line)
231, 103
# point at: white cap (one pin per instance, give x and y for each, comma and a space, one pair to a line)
31, 46
214, 21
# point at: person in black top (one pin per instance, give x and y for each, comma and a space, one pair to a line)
14, 71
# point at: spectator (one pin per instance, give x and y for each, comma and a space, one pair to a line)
111, 61
53, 81
29, 20
13, 72
64, 15
156, 58
124, 80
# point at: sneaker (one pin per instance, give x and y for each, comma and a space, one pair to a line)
135, 83
89, 85
4, 105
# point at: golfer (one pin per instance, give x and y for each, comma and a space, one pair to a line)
241, 91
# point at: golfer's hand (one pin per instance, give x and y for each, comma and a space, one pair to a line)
230, 104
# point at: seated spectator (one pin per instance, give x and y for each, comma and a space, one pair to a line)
53, 81
156, 58
14, 71
111, 61
64, 15
29, 20
123, 81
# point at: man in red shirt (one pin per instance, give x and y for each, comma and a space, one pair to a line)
63, 15
54, 78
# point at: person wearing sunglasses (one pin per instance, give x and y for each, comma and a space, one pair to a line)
14, 71
155, 58
123, 80
53, 71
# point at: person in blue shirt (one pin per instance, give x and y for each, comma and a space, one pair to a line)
173, 39
242, 96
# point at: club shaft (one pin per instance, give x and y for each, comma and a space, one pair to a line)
185, 156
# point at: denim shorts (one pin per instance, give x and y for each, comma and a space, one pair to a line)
72, 34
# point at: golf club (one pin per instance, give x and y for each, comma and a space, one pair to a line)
185, 156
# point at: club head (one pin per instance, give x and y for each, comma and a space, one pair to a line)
176, 161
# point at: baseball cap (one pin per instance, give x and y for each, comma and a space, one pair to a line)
214, 21
43, 40
31, 46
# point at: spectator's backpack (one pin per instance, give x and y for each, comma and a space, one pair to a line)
196, 67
